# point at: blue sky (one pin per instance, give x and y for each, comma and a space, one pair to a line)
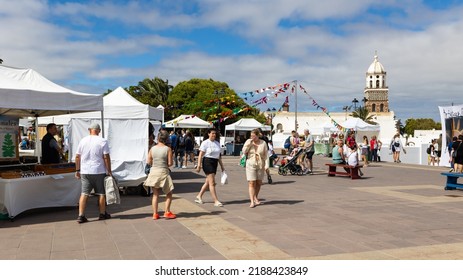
326, 45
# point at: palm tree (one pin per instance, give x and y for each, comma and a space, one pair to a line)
152, 91
363, 114
399, 126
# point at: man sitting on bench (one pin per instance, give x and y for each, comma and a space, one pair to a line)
353, 159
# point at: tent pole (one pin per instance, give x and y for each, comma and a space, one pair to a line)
234, 141
102, 124
38, 142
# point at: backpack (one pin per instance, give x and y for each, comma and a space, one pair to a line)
287, 144
181, 142
428, 150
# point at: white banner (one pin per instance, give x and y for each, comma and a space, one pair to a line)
452, 125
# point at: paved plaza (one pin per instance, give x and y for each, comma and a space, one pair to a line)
396, 211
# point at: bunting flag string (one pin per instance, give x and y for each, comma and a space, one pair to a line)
223, 116
283, 88
324, 110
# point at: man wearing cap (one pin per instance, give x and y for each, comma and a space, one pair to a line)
92, 165
309, 151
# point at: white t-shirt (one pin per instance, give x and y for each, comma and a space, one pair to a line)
210, 149
270, 149
91, 150
352, 159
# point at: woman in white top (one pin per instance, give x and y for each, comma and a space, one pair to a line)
208, 159
396, 147
353, 158
364, 152
257, 162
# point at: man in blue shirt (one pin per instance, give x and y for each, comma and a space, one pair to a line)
173, 143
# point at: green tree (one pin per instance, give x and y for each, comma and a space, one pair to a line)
8, 146
363, 114
208, 99
420, 124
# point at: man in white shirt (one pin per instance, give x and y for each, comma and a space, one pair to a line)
92, 165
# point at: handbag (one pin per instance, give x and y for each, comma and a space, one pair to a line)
454, 154
147, 169
224, 178
111, 191
243, 161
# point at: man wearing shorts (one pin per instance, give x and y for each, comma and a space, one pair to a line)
92, 165
309, 151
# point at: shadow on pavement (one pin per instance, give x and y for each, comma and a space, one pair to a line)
187, 187
277, 182
186, 175
265, 202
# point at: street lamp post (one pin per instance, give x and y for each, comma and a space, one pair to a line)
364, 100
270, 115
218, 93
354, 102
346, 108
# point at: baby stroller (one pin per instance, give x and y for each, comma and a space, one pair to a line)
291, 166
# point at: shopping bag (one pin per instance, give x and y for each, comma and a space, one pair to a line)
224, 178
112, 191
243, 161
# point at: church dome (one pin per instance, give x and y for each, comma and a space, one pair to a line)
376, 67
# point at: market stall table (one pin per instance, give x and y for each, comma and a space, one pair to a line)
21, 194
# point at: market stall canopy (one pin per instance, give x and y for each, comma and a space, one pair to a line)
118, 104
126, 122
329, 127
247, 124
187, 121
24, 92
359, 125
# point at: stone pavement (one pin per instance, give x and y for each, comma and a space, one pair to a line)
396, 211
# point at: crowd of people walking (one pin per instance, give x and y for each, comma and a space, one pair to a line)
177, 149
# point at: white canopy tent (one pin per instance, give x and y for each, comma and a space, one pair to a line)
247, 124
329, 127
244, 124
24, 92
359, 125
126, 127
361, 128
187, 121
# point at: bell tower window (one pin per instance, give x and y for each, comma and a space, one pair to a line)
381, 107
373, 108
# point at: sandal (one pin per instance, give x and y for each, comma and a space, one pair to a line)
269, 178
199, 200
218, 204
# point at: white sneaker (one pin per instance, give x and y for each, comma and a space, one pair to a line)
184, 167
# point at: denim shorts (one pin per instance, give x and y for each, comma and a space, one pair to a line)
93, 181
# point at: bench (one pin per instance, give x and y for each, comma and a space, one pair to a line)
353, 171
452, 183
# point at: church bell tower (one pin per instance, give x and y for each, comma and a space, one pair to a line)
376, 91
